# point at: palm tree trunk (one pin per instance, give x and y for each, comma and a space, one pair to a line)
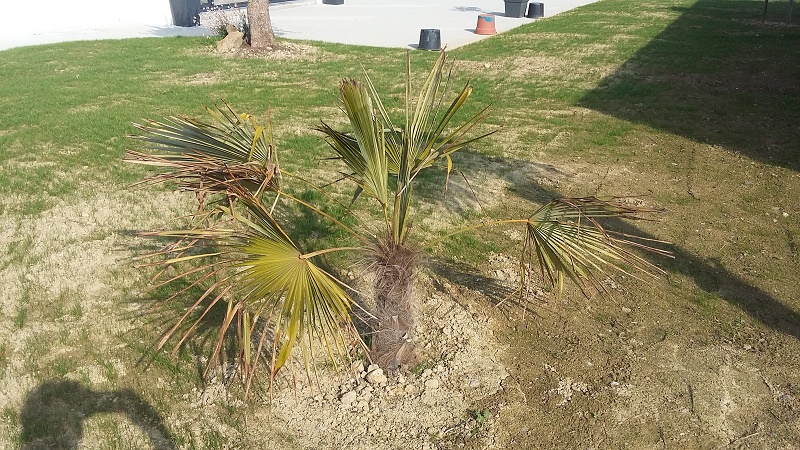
261, 34
393, 341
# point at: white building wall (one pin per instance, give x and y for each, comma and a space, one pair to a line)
32, 17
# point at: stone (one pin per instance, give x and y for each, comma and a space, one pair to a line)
348, 397
357, 367
232, 42
376, 376
433, 383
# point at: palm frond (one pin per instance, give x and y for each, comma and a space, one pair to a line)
427, 136
366, 159
265, 278
203, 156
566, 239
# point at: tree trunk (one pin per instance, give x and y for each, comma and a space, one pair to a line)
393, 341
261, 35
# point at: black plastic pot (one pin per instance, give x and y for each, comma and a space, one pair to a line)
184, 12
516, 8
333, 2
535, 11
430, 39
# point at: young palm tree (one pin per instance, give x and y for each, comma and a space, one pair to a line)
273, 287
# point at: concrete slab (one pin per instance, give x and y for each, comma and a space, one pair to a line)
387, 23
380, 23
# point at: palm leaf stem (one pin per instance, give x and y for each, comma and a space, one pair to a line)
327, 216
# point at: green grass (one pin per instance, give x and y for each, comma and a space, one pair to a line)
612, 96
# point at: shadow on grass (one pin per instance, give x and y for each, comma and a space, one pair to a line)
718, 76
707, 273
54, 413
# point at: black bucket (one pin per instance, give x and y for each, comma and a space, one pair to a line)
535, 11
515, 8
430, 39
184, 12
333, 2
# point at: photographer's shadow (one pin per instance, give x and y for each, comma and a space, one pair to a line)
54, 413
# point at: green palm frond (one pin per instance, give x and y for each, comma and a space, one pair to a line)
364, 153
268, 281
376, 148
566, 239
428, 135
204, 156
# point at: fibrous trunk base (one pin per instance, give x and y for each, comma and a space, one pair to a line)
393, 341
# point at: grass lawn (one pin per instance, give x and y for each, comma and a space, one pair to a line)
692, 106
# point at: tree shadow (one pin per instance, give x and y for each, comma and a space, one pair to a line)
709, 274
716, 75
497, 292
54, 413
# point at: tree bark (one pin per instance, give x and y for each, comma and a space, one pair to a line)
261, 35
393, 340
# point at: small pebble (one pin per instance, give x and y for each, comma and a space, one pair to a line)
376, 376
348, 397
433, 383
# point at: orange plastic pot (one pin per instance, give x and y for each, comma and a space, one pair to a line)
485, 24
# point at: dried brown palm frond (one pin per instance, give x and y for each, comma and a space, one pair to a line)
566, 239
205, 157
